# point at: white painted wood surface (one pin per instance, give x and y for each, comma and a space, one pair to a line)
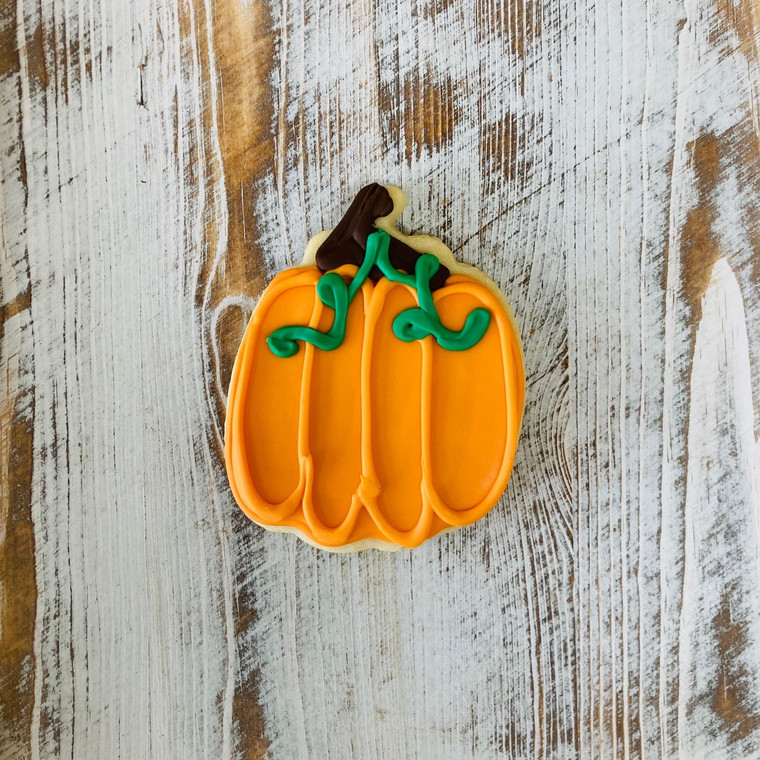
162, 160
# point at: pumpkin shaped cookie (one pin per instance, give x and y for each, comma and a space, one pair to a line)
377, 396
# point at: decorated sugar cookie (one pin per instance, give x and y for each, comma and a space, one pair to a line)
377, 396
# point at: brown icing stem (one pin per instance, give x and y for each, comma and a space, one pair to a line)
347, 242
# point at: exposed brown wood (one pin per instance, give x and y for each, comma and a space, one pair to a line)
18, 594
18, 583
162, 161
243, 45
428, 113
732, 700
701, 246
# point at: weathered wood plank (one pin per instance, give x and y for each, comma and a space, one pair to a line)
18, 591
133, 632
407, 654
601, 161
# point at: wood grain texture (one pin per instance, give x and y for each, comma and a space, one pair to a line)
18, 592
162, 159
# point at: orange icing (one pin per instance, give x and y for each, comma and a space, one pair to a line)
379, 439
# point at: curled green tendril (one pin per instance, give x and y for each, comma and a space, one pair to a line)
411, 324
334, 293
423, 320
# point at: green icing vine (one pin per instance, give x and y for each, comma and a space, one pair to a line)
411, 324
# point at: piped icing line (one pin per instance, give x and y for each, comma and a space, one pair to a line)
337, 534
411, 324
421, 243
331, 521
346, 244
370, 487
417, 323
431, 501
247, 495
467, 515
283, 513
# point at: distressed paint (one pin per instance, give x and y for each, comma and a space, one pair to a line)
132, 646
600, 161
18, 590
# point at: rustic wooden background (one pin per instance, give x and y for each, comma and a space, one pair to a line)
162, 159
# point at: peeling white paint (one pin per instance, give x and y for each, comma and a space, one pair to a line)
571, 620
